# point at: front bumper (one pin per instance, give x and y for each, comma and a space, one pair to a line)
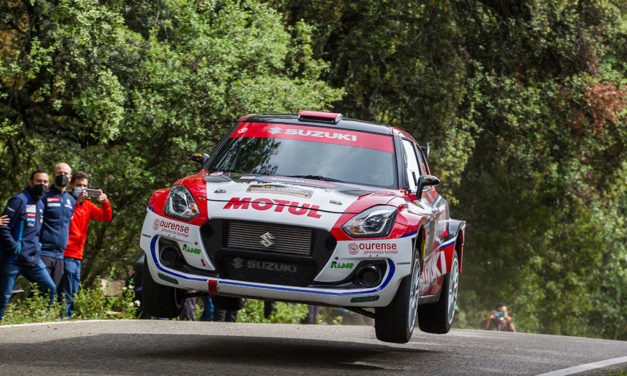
332, 285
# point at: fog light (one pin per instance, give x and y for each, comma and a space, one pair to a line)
369, 275
171, 256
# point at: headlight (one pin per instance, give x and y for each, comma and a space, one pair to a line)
181, 204
375, 222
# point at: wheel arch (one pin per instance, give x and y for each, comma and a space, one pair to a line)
458, 228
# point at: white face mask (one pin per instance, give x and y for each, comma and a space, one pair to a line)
77, 191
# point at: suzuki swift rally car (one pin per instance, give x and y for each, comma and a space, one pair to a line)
309, 208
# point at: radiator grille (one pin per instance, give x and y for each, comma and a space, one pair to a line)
279, 238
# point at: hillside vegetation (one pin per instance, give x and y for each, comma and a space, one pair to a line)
523, 104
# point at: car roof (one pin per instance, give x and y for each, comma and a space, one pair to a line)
343, 123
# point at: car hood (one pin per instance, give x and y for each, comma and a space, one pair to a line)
269, 191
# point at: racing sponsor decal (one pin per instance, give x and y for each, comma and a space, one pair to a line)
30, 209
372, 248
316, 134
191, 249
238, 263
303, 181
293, 207
280, 189
434, 269
220, 173
53, 199
362, 299
353, 248
342, 265
173, 228
168, 278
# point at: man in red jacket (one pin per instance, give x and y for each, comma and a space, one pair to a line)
84, 211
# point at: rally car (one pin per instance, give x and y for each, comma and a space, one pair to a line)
309, 208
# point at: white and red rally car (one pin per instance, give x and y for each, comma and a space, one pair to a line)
309, 208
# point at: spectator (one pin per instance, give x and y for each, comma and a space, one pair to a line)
207, 313
58, 210
84, 211
312, 315
499, 319
225, 308
188, 313
224, 315
19, 240
268, 308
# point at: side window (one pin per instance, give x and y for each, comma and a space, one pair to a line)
412, 164
423, 163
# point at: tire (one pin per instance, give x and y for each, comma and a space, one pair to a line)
395, 323
438, 317
159, 300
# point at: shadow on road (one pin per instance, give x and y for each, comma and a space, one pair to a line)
183, 354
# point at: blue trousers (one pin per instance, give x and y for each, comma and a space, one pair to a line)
207, 313
36, 274
69, 283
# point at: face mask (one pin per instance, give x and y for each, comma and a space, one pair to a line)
38, 190
77, 191
61, 180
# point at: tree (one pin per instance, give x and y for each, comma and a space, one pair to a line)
128, 90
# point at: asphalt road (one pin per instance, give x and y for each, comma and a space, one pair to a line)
141, 347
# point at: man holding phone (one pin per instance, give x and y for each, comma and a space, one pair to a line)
84, 212
499, 319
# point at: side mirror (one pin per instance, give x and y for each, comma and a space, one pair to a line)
425, 181
200, 158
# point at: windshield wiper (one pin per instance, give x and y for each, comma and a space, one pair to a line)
316, 177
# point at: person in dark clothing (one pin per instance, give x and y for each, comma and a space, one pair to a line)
224, 315
19, 240
58, 211
312, 315
268, 308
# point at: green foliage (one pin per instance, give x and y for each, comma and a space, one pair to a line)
127, 91
89, 303
92, 303
32, 308
523, 103
524, 106
285, 313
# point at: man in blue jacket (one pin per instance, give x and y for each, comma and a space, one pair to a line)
58, 211
19, 240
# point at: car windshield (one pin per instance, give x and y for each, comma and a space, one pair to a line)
307, 159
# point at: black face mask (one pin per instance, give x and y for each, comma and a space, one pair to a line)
38, 190
61, 180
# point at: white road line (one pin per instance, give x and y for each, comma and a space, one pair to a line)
586, 367
51, 323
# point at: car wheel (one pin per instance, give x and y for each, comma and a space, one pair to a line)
159, 300
438, 317
396, 322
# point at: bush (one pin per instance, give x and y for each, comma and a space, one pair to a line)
90, 303
285, 313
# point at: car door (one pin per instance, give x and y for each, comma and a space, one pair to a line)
435, 262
